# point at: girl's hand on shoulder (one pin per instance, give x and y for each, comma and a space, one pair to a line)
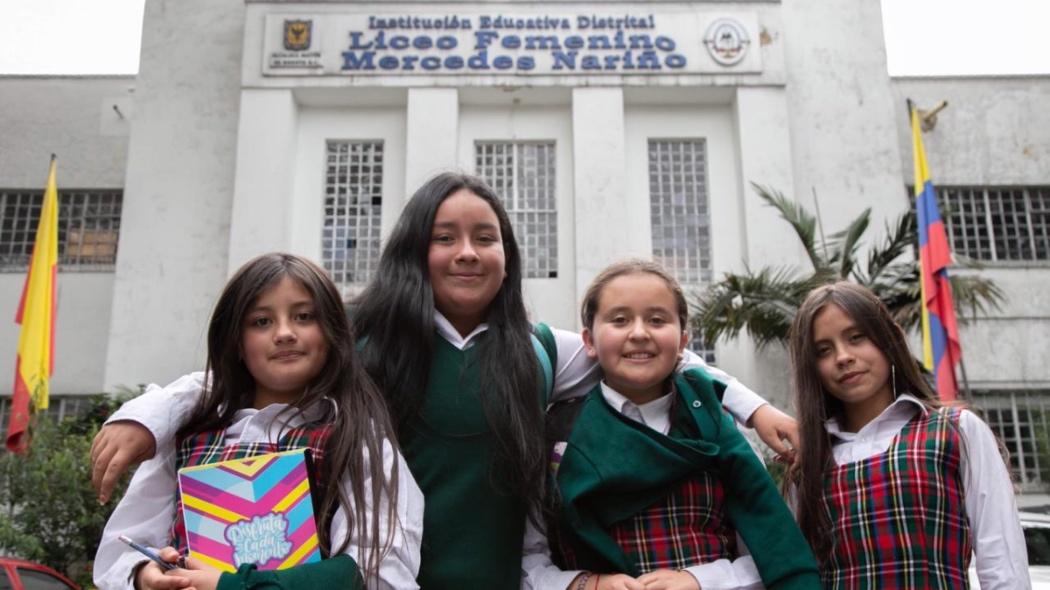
618, 582
774, 427
151, 577
669, 580
200, 576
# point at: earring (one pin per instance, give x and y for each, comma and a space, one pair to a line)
893, 380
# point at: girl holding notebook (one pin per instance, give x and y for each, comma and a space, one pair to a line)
283, 376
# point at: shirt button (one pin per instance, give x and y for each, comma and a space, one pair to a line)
697, 404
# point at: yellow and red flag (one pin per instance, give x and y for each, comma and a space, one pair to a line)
940, 333
36, 314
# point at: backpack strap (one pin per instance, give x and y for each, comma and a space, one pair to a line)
546, 366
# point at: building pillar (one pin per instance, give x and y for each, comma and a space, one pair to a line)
432, 134
764, 144
606, 219
264, 185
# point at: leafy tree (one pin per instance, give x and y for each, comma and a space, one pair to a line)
763, 302
48, 510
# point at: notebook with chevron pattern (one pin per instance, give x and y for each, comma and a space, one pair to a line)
254, 510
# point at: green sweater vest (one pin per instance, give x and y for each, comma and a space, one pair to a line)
472, 532
612, 468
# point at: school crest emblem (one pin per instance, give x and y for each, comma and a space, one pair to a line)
727, 41
297, 34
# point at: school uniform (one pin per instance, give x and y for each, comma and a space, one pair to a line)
148, 511
473, 529
914, 493
669, 488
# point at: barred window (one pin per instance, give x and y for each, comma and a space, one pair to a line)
59, 407
997, 224
353, 203
678, 208
522, 174
701, 348
1019, 419
88, 227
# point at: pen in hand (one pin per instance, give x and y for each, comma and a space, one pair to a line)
164, 565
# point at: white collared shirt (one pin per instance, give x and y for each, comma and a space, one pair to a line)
540, 573
998, 540
146, 511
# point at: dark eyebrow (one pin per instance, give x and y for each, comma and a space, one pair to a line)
455, 224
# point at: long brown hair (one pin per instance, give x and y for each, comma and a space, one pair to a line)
815, 405
359, 420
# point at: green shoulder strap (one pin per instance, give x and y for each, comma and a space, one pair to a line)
547, 354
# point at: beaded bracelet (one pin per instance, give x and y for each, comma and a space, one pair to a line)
583, 580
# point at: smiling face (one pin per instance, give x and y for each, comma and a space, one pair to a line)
636, 335
851, 366
283, 344
465, 260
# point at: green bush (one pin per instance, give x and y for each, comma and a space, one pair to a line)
48, 510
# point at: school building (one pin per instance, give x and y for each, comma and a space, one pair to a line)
610, 129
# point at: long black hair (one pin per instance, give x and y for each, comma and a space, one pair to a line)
360, 422
815, 405
395, 314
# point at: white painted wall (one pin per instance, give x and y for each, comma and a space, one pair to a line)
172, 257
72, 117
994, 132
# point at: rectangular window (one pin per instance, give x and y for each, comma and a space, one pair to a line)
1019, 419
59, 407
997, 224
697, 345
678, 208
522, 174
353, 203
88, 228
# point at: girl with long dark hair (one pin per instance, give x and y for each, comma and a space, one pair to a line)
284, 375
893, 489
444, 333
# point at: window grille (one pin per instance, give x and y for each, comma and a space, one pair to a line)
352, 207
88, 228
697, 345
681, 223
997, 224
59, 407
1019, 419
522, 174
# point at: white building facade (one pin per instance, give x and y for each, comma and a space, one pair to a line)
610, 129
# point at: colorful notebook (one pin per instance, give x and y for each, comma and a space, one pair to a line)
255, 510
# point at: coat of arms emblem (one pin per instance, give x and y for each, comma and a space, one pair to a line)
297, 34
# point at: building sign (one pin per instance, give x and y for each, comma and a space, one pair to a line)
640, 43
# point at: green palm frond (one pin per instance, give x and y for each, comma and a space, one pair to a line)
801, 220
844, 244
763, 302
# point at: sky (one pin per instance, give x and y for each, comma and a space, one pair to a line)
923, 37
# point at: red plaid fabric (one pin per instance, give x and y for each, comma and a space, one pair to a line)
206, 447
898, 519
690, 527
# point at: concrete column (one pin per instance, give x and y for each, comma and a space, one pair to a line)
432, 134
264, 193
171, 259
606, 219
764, 153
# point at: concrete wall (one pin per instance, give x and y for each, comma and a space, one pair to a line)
74, 118
994, 132
180, 176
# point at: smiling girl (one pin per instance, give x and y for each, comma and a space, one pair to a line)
284, 376
444, 332
893, 489
653, 480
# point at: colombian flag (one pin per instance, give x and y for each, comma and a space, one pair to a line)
36, 314
940, 334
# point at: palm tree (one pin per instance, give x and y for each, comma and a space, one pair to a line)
763, 302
